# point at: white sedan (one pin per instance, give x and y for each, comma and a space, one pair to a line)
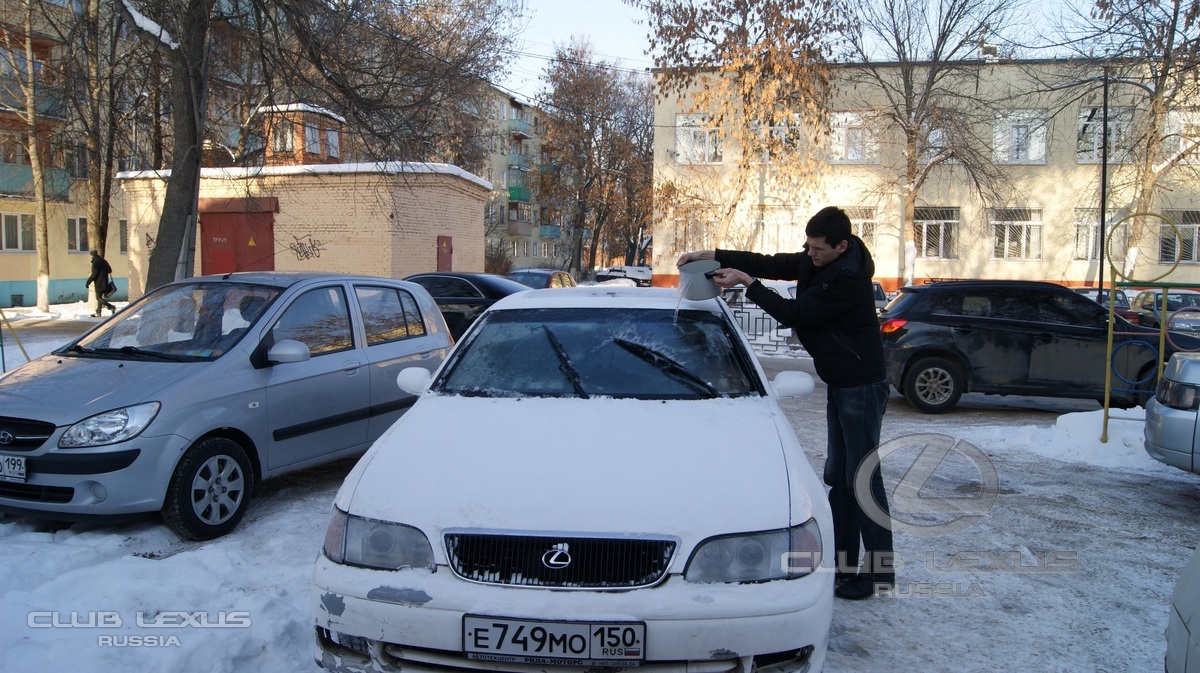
596, 477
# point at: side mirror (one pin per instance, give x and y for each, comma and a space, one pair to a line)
793, 384
414, 380
288, 350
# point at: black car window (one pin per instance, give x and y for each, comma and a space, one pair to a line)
1065, 309
389, 314
319, 319
446, 286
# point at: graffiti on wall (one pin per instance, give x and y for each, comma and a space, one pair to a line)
306, 247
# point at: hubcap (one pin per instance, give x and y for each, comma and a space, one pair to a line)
217, 490
934, 385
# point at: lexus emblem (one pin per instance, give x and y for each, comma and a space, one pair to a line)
557, 557
6, 437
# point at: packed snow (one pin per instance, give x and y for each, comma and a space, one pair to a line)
1068, 566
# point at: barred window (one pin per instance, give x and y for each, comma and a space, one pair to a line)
1184, 246
1016, 233
862, 224
934, 231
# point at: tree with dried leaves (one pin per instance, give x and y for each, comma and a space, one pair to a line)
755, 72
914, 71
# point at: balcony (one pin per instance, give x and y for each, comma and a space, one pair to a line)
516, 228
520, 127
49, 99
17, 180
522, 194
549, 231
518, 161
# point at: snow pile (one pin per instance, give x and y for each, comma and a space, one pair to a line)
1075, 437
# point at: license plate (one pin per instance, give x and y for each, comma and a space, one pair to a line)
12, 468
554, 643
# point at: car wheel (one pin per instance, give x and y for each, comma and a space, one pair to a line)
210, 490
933, 385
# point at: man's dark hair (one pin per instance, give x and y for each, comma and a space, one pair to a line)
831, 223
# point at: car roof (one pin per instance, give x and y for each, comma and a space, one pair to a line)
952, 285
491, 280
536, 270
1174, 290
275, 278
605, 296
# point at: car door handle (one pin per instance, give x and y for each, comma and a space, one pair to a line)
351, 367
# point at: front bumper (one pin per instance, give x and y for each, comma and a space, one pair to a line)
414, 620
108, 482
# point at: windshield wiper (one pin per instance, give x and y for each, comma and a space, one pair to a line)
564, 363
668, 366
134, 350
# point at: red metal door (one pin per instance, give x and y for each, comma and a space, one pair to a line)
237, 242
445, 253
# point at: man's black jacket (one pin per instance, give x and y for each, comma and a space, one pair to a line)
833, 314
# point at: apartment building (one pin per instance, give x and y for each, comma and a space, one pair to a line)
527, 232
1039, 219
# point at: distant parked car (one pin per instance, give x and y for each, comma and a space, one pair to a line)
1171, 415
638, 274
1183, 621
187, 399
542, 278
1013, 338
463, 296
1183, 309
483, 532
881, 298
1120, 300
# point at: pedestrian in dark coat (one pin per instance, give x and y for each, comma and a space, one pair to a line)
101, 279
833, 316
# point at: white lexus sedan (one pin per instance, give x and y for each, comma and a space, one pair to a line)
595, 477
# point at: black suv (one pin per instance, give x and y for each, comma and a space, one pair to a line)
1014, 338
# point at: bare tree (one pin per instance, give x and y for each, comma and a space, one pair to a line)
916, 63
753, 71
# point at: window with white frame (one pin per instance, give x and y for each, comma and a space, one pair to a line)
77, 234
545, 249
694, 143
934, 231
333, 142
1089, 242
283, 136
520, 212
938, 143
1089, 135
1020, 137
862, 224
1185, 246
851, 140
1016, 233
18, 233
312, 139
780, 139
1183, 135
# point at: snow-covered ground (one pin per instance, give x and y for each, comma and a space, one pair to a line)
1068, 563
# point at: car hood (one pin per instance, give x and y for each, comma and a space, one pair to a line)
685, 468
65, 389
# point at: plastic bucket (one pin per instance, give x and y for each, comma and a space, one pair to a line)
695, 280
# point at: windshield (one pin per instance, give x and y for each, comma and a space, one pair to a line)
573, 352
534, 280
186, 322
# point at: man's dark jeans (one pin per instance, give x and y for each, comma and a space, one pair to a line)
854, 417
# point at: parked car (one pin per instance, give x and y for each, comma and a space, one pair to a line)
1120, 300
881, 298
671, 552
1183, 622
542, 278
188, 398
1183, 309
1013, 338
641, 275
463, 296
1171, 435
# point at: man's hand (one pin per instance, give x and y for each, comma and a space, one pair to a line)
731, 277
695, 255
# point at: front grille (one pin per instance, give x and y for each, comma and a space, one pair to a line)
594, 563
18, 434
57, 494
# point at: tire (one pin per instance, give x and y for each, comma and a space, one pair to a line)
933, 385
210, 490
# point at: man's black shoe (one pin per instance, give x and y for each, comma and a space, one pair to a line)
864, 585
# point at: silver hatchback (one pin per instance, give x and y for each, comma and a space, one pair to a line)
187, 399
1171, 414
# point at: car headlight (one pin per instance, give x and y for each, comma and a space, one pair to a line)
757, 557
1177, 395
109, 427
354, 540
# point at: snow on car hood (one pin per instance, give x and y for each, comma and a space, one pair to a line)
686, 468
65, 389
